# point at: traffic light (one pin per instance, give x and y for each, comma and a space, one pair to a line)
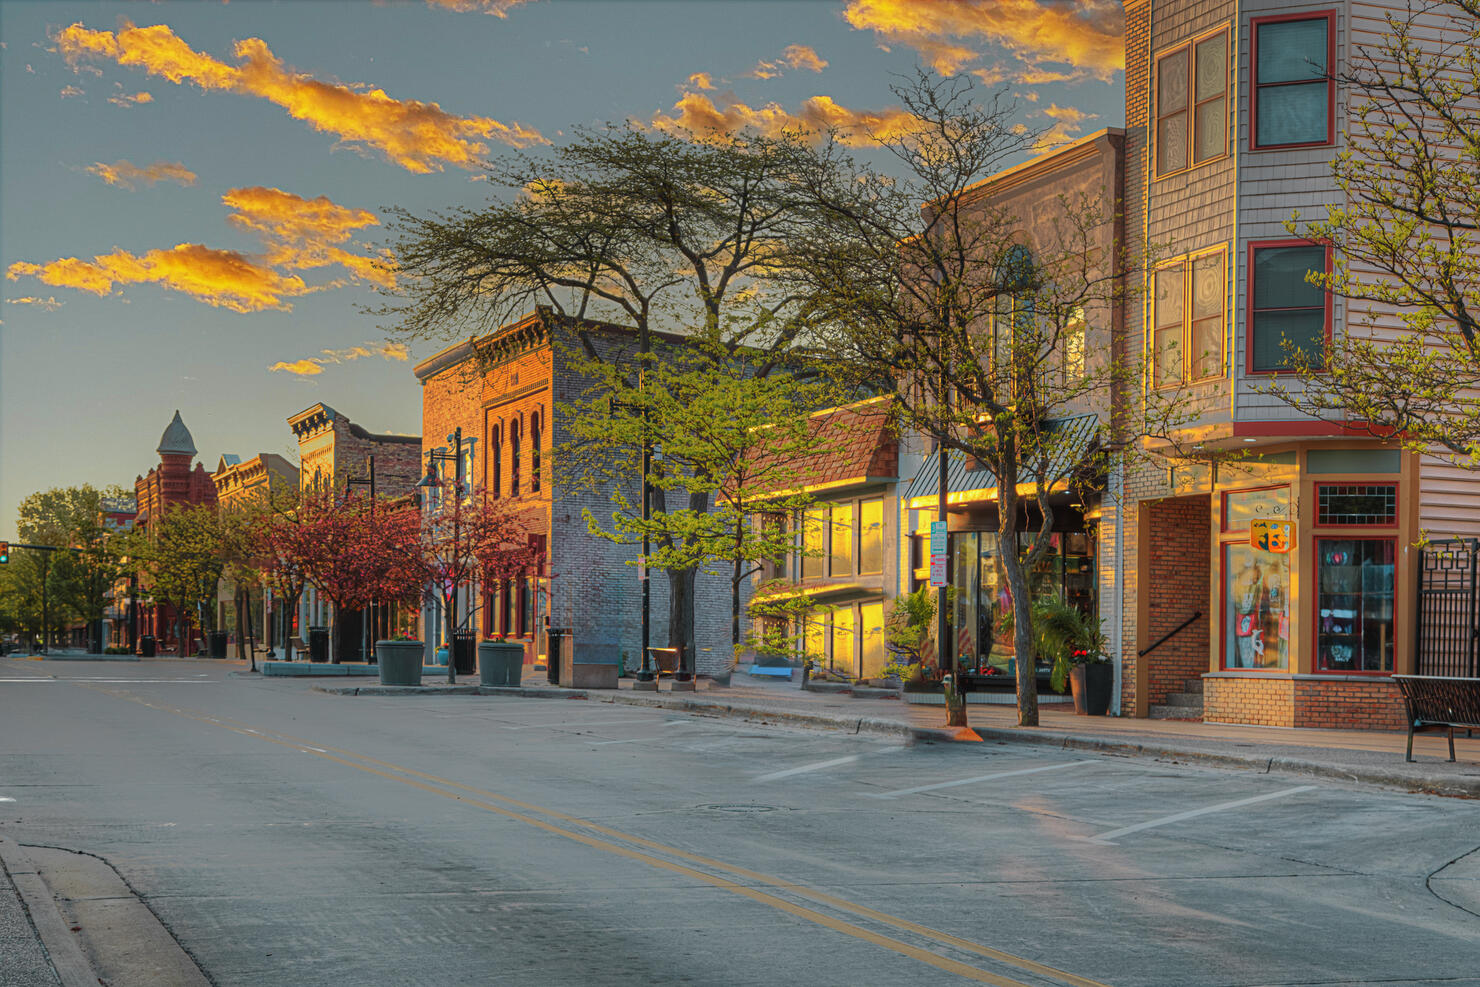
4, 552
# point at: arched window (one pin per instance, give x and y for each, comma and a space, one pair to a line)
495, 462
515, 427
1012, 318
534, 451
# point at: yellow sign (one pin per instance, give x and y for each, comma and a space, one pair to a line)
1272, 536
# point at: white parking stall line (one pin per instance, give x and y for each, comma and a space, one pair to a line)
972, 781
578, 723
1107, 838
632, 740
817, 766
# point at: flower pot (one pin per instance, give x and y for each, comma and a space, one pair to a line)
1091, 685
399, 661
500, 663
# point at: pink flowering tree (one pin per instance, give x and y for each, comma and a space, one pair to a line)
468, 540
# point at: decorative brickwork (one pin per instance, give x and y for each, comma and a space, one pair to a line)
1266, 701
1303, 701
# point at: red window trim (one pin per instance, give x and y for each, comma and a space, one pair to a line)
1223, 665
1314, 15
1379, 528
1191, 109
1256, 245
1223, 527
1315, 604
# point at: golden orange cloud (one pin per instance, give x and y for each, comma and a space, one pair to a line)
68, 92
126, 100
420, 137
498, 8
701, 80
1086, 34
1068, 121
699, 114
803, 57
303, 368
127, 175
304, 233
314, 365
47, 304
221, 278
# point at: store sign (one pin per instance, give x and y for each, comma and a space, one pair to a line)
1272, 536
939, 541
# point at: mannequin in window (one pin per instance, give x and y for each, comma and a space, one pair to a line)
1276, 613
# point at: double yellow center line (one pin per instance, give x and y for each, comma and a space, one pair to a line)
673, 860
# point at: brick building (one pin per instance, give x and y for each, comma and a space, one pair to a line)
335, 455
504, 390
177, 481
241, 482
1234, 110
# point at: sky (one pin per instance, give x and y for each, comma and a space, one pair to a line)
193, 195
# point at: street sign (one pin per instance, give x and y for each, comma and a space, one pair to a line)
937, 571
1272, 536
937, 538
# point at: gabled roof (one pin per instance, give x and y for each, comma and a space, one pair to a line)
176, 438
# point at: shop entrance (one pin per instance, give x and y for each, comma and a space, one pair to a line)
1174, 606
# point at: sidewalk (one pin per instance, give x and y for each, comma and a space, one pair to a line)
1346, 755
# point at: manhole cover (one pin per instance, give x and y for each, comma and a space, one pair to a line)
738, 807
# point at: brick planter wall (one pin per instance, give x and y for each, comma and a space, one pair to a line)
1303, 701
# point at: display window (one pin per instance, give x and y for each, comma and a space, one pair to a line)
1256, 608
1355, 604
1264, 504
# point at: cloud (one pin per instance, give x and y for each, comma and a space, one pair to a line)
948, 34
698, 113
220, 278
125, 100
302, 234
67, 92
126, 175
802, 57
47, 304
763, 70
498, 8
298, 235
1068, 122
420, 137
314, 365
701, 80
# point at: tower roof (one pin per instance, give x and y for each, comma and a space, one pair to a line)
176, 438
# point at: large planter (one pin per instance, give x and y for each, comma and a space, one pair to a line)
1091, 685
500, 663
399, 661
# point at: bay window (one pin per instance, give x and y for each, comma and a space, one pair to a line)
1286, 312
1192, 104
1189, 309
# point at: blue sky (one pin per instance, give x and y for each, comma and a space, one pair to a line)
232, 160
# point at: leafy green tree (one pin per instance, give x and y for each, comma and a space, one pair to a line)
1406, 239
181, 557
78, 577
656, 232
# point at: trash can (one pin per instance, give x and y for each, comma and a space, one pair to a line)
318, 644
147, 646
463, 653
554, 648
218, 644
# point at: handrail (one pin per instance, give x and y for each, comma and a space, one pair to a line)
1168, 635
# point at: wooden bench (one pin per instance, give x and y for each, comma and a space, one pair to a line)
1440, 703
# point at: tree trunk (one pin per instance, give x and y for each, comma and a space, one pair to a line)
681, 612
334, 634
449, 612
251, 630
241, 629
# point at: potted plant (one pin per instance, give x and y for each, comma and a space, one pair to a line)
1076, 646
400, 660
500, 662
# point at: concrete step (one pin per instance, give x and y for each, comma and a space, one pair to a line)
1193, 685
1190, 699
1175, 713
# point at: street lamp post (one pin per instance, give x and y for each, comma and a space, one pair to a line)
427, 484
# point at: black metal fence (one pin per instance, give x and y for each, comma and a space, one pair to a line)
1448, 608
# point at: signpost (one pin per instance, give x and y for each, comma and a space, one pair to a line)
938, 543
1272, 536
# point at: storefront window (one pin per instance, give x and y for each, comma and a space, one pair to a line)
842, 641
1354, 604
872, 640
1256, 608
814, 639
964, 579
841, 559
814, 542
1242, 506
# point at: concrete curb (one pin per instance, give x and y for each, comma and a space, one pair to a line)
1360, 774
75, 657
397, 690
55, 932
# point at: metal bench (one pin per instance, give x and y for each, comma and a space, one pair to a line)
1439, 703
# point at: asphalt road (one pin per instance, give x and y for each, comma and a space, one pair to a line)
290, 837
